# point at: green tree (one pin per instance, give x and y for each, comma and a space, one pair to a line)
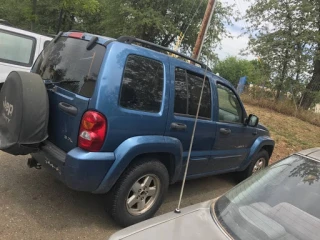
232, 68
158, 21
284, 34
43, 16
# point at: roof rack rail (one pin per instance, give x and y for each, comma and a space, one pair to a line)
130, 40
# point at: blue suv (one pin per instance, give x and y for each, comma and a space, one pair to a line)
116, 116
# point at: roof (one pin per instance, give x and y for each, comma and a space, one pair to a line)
24, 32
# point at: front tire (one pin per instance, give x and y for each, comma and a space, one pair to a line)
259, 162
139, 192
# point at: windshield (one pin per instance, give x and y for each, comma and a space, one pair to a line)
281, 202
70, 65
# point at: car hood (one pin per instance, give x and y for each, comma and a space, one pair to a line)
194, 222
262, 127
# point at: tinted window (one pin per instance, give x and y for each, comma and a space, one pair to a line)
16, 48
229, 106
70, 65
142, 84
187, 93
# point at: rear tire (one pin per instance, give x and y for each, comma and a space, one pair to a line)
139, 192
259, 162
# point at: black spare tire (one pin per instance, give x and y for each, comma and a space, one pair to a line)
24, 113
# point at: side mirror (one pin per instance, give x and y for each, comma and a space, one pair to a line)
252, 121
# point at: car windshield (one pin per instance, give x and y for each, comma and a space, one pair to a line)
280, 202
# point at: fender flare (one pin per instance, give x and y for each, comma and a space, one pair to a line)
258, 144
135, 146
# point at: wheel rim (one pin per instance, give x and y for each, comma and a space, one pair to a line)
143, 194
260, 164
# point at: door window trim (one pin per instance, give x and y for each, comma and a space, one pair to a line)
174, 95
34, 42
240, 103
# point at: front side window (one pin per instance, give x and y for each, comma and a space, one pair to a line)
280, 202
142, 84
187, 93
229, 106
16, 48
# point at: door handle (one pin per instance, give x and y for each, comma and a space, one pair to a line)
225, 131
178, 126
66, 107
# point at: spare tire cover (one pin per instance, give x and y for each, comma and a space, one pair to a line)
24, 113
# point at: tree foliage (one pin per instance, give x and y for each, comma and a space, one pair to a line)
158, 21
286, 35
232, 68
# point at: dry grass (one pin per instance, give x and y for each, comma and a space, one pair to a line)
290, 133
285, 107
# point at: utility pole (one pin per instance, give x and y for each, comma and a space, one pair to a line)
203, 29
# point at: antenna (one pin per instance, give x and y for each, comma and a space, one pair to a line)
191, 142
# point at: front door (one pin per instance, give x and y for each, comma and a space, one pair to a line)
233, 138
185, 87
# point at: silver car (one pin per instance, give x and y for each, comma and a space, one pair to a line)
279, 202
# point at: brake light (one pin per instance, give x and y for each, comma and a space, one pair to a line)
93, 131
75, 35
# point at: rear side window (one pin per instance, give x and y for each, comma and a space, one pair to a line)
187, 93
142, 84
16, 48
70, 65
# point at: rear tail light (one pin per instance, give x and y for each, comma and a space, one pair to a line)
93, 131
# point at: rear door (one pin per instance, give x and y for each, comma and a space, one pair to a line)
233, 138
185, 88
73, 71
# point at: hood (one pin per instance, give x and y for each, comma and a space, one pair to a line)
194, 222
262, 127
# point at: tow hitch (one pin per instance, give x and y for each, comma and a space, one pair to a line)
32, 163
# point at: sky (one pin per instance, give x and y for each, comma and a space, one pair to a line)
233, 46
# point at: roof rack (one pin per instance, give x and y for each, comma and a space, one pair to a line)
130, 40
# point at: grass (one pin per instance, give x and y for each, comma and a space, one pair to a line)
290, 133
285, 107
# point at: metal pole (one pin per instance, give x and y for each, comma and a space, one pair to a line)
203, 29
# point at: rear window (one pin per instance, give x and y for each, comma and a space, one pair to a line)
16, 48
70, 65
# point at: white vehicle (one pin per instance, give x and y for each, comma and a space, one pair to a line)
18, 50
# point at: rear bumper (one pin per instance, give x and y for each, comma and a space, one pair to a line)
78, 169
